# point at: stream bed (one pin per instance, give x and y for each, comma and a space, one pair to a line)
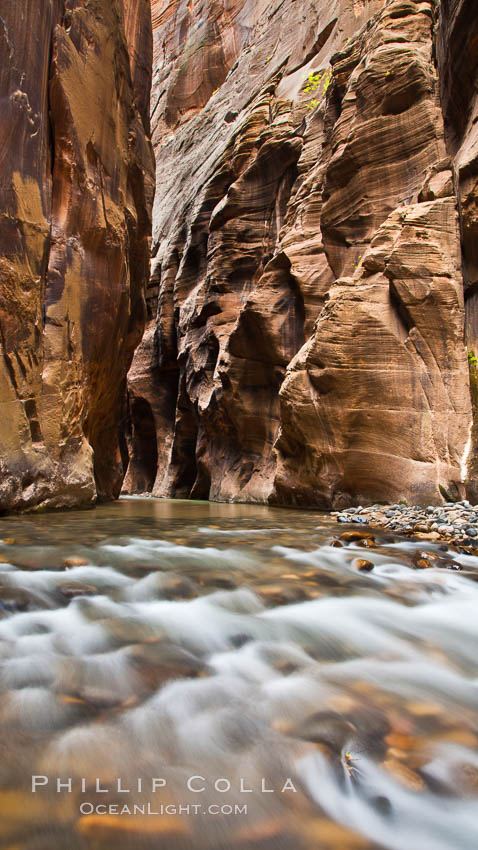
185, 675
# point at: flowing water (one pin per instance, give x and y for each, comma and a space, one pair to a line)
220, 676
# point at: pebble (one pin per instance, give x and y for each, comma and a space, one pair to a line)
75, 562
430, 556
348, 517
454, 523
363, 565
73, 589
352, 536
366, 542
424, 564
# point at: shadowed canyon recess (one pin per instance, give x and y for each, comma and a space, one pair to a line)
311, 316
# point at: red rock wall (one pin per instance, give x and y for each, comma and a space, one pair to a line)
75, 200
305, 342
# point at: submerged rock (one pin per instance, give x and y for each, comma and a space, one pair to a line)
410, 779
362, 565
75, 561
328, 728
354, 536
74, 589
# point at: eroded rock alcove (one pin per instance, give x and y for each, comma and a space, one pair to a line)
316, 181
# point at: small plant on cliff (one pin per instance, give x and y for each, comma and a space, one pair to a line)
472, 360
327, 79
315, 82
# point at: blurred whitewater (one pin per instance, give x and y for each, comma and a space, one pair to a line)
152, 639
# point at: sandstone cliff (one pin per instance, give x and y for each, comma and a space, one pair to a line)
305, 339
75, 204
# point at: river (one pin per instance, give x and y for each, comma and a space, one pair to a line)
185, 675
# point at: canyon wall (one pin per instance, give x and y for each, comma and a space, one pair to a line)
457, 50
76, 195
305, 341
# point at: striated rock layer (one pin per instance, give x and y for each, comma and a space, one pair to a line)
305, 340
75, 222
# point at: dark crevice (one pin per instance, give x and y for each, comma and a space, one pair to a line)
33, 421
144, 458
20, 364
202, 484
124, 432
183, 459
401, 311
8, 362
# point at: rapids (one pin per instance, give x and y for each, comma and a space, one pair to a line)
195, 660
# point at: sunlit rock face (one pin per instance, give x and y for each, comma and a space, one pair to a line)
75, 199
305, 341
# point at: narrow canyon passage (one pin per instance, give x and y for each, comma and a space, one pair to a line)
238, 286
